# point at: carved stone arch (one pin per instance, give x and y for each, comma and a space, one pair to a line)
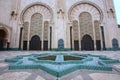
84, 6
37, 7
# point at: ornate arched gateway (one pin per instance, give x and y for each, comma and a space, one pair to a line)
36, 19
86, 18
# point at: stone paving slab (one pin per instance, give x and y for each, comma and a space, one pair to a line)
117, 66
104, 76
3, 65
15, 76
40, 78
79, 77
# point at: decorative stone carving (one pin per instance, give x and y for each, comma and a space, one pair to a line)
36, 25
97, 30
94, 10
86, 26
38, 8
46, 25
25, 31
75, 30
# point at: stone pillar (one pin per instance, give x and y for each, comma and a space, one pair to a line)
45, 36
71, 41
103, 38
28, 38
50, 38
25, 35
8, 45
20, 38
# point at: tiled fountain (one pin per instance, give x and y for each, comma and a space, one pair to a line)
60, 64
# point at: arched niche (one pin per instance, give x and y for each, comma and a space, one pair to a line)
115, 43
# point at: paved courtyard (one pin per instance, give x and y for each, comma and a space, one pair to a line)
37, 74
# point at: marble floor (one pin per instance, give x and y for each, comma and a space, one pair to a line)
37, 74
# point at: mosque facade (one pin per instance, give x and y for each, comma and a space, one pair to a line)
79, 25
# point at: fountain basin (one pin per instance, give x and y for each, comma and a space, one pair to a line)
61, 64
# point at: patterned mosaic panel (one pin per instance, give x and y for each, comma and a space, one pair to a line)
86, 26
36, 25
25, 31
75, 30
97, 30
46, 24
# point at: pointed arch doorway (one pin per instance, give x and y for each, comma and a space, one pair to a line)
87, 43
35, 43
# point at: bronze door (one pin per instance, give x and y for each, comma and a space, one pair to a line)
87, 43
35, 43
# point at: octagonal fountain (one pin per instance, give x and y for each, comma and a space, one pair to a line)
60, 64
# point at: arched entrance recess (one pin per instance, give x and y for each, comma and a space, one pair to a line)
86, 18
36, 18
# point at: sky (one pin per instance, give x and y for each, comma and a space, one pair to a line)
117, 8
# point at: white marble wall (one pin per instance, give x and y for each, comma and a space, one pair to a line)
61, 22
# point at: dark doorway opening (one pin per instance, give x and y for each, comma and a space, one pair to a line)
3, 36
98, 45
87, 43
76, 45
24, 45
45, 48
35, 43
